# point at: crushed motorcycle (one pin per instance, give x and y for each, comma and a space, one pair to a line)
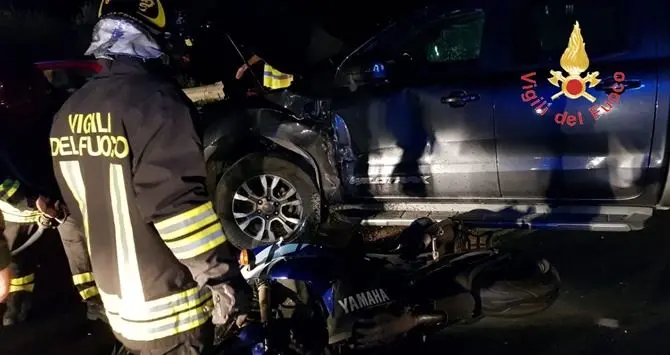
312, 299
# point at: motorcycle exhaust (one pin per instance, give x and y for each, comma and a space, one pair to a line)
386, 326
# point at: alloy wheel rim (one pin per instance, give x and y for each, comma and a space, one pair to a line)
267, 207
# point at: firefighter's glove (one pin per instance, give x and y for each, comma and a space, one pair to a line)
53, 210
231, 302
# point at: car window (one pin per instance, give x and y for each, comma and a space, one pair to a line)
69, 79
60, 79
433, 36
454, 38
544, 27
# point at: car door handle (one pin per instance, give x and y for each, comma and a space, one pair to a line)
459, 98
609, 85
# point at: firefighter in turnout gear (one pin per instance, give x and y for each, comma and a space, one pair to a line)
21, 221
130, 166
27, 103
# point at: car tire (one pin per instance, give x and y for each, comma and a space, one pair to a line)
258, 166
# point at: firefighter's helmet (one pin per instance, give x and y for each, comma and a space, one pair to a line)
149, 13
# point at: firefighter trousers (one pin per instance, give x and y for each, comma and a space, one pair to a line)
196, 341
23, 267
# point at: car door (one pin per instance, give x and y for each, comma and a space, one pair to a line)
574, 115
425, 129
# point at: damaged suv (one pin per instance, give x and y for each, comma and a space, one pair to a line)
492, 111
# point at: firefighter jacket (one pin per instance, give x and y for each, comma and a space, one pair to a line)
125, 152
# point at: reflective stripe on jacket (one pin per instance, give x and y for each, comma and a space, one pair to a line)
13, 214
130, 166
161, 317
14, 196
8, 188
13, 203
274, 79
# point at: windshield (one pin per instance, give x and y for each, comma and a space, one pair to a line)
396, 31
427, 22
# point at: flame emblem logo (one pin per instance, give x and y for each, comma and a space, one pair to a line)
574, 61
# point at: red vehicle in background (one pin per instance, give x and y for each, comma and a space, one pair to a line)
27, 100
69, 75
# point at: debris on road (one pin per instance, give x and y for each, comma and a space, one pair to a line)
608, 323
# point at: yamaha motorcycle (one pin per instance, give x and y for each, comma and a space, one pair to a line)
316, 300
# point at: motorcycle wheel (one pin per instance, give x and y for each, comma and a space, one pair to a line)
517, 287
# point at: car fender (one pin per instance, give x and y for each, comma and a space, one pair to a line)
273, 130
288, 145
315, 145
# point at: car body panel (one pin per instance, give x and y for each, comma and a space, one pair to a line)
536, 158
454, 147
658, 162
263, 125
604, 159
408, 141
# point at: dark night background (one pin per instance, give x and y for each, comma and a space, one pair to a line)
59, 29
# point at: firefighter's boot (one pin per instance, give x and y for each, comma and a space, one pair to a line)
95, 310
18, 305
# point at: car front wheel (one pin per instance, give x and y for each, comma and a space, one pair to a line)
264, 198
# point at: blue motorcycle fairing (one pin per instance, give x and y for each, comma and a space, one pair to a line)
268, 253
328, 298
309, 263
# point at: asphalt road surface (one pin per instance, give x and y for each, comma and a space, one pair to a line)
615, 300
